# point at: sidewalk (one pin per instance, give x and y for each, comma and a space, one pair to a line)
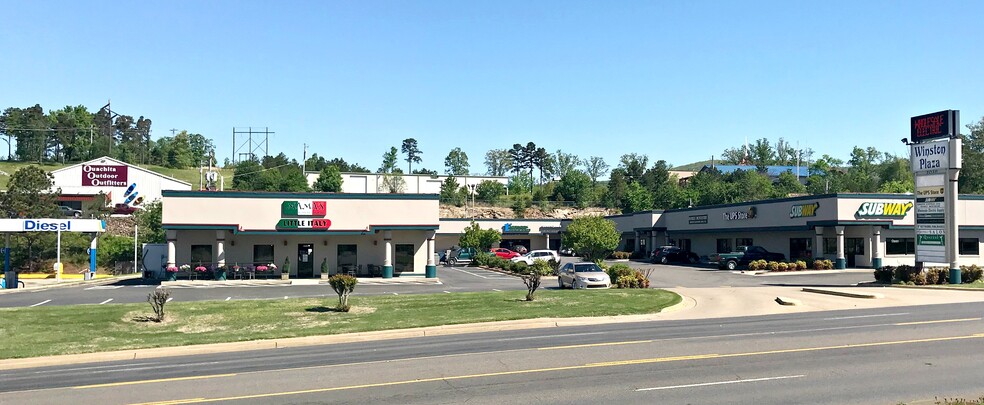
299, 281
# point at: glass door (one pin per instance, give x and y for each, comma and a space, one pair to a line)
305, 260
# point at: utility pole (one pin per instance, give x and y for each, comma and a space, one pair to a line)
304, 161
173, 130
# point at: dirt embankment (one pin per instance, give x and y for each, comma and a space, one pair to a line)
488, 212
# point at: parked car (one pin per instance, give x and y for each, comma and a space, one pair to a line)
457, 255
124, 209
537, 255
567, 251
744, 255
583, 275
668, 254
504, 253
70, 212
520, 249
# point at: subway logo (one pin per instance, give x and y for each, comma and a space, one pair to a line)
883, 210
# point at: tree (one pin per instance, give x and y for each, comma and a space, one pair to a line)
498, 161
149, 220
520, 184
413, 153
633, 165
389, 161
29, 195
565, 163
316, 163
543, 161
595, 168
489, 190
478, 238
532, 276
329, 181
524, 158
392, 183
787, 184
972, 174
450, 192
246, 175
637, 198
574, 186
425, 171
594, 237
617, 186
343, 285
861, 175
456, 163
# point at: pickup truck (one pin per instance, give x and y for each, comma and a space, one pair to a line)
744, 255
457, 255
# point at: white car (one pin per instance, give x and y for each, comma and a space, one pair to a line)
533, 255
583, 275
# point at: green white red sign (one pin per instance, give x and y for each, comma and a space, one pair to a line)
296, 211
304, 223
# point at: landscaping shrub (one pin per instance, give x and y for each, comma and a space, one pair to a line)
970, 274
483, 259
157, 300
942, 275
554, 266
532, 275
773, 266
932, 276
919, 278
905, 273
783, 266
500, 263
793, 266
518, 267
617, 271
343, 285
823, 264
800, 264
634, 280
621, 255
885, 274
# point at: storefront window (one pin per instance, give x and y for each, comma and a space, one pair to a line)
684, 244
800, 248
201, 254
900, 246
970, 246
348, 256
262, 254
724, 245
404, 258
743, 242
830, 246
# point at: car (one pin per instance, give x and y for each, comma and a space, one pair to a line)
583, 275
674, 254
457, 255
537, 255
520, 249
70, 212
504, 253
124, 209
567, 251
744, 255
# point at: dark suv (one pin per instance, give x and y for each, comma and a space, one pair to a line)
669, 254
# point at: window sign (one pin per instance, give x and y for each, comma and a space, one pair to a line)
697, 219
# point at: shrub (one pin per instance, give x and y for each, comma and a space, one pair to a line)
519, 267
532, 275
800, 264
942, 275
483, 259
773, 266
905, 273
554, 266
823, 264
792, 266
499, 263
343, 285
884, 274
157, 300
970, 274
932, 276
621, 255
634, 280
617, 271
783, 266
919, 278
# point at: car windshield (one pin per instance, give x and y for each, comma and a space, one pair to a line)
587, 268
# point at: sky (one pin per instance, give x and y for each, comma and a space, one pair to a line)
678, 81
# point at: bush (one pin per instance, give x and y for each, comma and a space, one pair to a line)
617, 271
793, 266
773, 266
801, 265
932, 276
518, 267
905, 273
532, 275
942, 275
634, 280
970, 274
783, 266
884, 274
343, 285
620, 255
554, 266
500, 263
483, 259
157, 300
823, 264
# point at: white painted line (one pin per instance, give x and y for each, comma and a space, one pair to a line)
285, 297
228, 298
863, 316
550, 336
447, 292
496, 289
468, 272
721, 383
104, 302
396, 294
41, 303
169, 299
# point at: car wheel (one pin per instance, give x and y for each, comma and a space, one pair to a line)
663, 260
731, 265
452, 261
77, 214
560, 283
692, 259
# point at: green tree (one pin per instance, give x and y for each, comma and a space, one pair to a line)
633, 165
972, 173
862, 176
456, 163
787, 184
575, 186
450, 193
389, 161
524, 158
316, 163
595, 167
179, 155
478, 238
425, 171
29, 195
413, 153
498, 161
247, 175
637, 198
329, 181
617, 188
520, 184
532, 275
594, 237
565, 163
150, 223
489, 190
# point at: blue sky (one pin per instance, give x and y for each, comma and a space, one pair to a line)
678, 81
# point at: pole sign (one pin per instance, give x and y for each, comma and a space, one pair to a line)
930, 157
51, 225
941, 124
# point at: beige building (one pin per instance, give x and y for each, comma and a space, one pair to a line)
854, 230
370, 234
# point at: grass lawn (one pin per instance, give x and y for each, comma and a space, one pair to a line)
42, 331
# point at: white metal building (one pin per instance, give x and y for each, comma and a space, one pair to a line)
83, 181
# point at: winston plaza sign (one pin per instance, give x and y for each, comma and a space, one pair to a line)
307, 215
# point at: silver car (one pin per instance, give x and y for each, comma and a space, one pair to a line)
583, 275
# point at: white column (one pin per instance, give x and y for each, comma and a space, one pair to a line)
388, 245
170, 253
220, 248
841, 260
818, 247
876, 254
430, 248
547, 236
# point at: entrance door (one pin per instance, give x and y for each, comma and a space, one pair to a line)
800, 248
305, 260
852, 248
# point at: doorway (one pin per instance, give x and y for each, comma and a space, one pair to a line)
305, 260
853, 247
800, 248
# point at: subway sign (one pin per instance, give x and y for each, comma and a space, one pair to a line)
304, 208
881, 210
804, 210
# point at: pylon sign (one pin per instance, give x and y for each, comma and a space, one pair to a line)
936, 159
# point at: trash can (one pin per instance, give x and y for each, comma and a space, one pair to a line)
11, 279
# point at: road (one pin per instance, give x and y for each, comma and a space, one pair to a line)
876, 356
457, 279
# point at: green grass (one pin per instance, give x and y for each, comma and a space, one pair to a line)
190, 174
43, 331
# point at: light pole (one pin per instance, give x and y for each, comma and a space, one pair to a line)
471, 187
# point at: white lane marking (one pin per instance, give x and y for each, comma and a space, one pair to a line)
669, 387
104, 287
863, 316
104, 302
228, 298
447, 292
496, 289
285, 297
551, 336
493, 274
169, 299
396, 294
41, 303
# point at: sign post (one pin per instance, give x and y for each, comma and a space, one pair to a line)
935, 157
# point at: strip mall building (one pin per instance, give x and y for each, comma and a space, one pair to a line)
397, 234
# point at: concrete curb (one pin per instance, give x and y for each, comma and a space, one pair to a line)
766, 273
444, 330
926, 287
73, 283
843, 293
788, 301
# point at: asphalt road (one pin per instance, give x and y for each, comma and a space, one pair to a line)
875, 356
457, 279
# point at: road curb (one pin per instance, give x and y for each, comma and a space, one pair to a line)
73, 283
269, 344
788, 301
844, 293
926, 287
